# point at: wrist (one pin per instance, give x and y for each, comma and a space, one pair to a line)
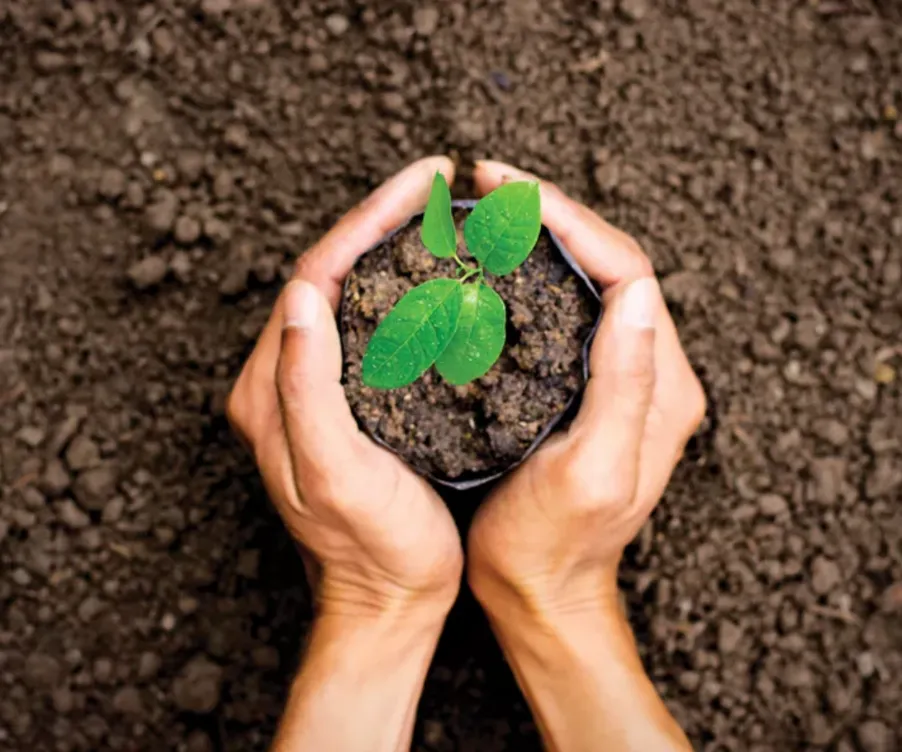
389, 625
546, 599
340, 597
571, 628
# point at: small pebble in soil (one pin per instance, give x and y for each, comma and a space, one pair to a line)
217, 231
198, 686
236, 136
161, 214
235, 281
425, 19
95, 487
82, 453
85, 13
63, 700
180, 265
42, 671
215, 7
148, 272
337, 24
71, 516
127, 701
825, 575
634, 10
32, 436
198, 741
46, 61
875, 736
187, 230
772, 505
190, 165
112, 184
149, 665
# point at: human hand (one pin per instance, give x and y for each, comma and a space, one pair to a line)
551, 537
376, 537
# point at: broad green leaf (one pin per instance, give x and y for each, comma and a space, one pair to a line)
479, 338
439, 234
503, 227
413, 334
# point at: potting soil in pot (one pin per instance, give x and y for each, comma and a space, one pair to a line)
489, 423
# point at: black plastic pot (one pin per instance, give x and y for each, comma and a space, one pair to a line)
481, 479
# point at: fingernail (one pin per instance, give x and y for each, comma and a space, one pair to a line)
639, 304
301, 305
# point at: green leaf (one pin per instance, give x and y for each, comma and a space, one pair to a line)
413, 334
503, 227
479, 338
439, 234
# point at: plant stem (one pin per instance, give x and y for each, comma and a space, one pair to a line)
479, 272
469, 274
460, 263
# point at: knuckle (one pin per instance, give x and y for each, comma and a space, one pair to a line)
302, 266
620, 489
289, 378
592, 483
329, 489
327, 479
635, 375
641, 264
644, 266
577, 471
631, 390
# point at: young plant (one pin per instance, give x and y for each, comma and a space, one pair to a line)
457, 324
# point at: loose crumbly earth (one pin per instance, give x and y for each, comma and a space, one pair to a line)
149, 599
488, 424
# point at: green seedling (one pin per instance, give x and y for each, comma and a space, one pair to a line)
457, 324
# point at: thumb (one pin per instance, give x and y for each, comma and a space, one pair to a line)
611, 422
317, 419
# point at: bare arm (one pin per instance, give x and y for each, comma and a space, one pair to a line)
380, 547
584, 681
545, 548
359, 685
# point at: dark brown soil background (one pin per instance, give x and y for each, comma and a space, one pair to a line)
149, 598
489, 423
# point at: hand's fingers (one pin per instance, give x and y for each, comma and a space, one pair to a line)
325, 265
608, 432
607, 254
388, 207
614, 259
318, 423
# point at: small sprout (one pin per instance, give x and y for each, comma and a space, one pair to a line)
459, 325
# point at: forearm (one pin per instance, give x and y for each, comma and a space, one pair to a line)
583, 678
359, 685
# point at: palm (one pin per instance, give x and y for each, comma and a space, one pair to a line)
509, 532
389, 515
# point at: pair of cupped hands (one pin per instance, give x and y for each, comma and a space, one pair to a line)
377, 539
